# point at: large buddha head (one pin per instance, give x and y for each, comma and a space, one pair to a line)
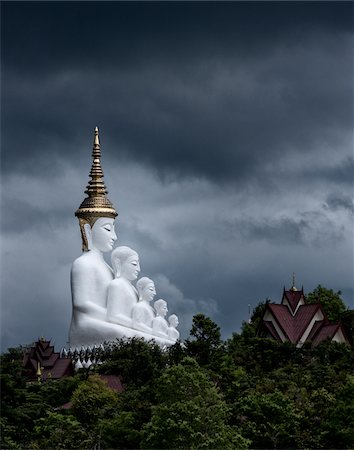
96, 213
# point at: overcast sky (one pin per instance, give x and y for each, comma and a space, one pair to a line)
227, 147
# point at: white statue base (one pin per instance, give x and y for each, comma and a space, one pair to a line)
97, 332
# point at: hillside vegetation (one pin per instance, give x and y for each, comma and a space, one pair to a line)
245, 392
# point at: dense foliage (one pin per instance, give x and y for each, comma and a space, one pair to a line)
246, 392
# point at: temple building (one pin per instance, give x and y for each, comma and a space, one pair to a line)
43, 363
296, 321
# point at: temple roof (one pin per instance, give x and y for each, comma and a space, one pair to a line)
294, 326
295, 320
42, 357
293, 297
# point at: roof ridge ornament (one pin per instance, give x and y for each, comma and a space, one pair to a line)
293, 287
96, 204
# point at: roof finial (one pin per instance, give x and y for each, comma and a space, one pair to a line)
293, 288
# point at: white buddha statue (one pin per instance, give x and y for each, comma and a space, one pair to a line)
173, 334
90, 275
122, 295
159, 323
143, 314
105, 304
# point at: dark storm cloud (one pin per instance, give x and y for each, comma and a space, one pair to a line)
226, 132
186, 89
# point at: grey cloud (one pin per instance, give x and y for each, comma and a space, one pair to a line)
335, 201
217, 115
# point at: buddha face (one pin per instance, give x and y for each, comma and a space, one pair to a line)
130, 268
173, 321
161, 308
149, 292
103, 234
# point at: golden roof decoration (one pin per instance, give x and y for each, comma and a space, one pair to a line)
96, 204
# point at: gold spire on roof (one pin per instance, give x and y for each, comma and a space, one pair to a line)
39, 371
293, 288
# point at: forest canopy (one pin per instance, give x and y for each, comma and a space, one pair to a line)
205, 393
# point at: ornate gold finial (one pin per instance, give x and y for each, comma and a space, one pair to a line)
293, 288
96, 204
39, 371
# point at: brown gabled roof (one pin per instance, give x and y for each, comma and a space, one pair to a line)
52, 365
316, 327
293, 326
62, 367
271, 329
327, 331
293, 297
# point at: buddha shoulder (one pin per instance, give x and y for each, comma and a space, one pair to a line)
87, 263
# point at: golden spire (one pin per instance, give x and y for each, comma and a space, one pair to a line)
96, 186
39, 371
96, 204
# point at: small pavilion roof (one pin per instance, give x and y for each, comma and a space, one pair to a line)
293, 297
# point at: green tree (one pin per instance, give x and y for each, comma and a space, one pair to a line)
138, 362
270, 420
190, 413
347, 319
331, 302
206, 346
93, 400
58, 431
249, 329
121, 431
340, 423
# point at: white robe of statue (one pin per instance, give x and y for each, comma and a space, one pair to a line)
173, 334
159, 323
90, 277
122, 295
143, 314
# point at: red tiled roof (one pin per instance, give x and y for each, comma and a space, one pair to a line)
61, 367
293, 326
52, 364
293, 298
271, 329
317, 326
327, 331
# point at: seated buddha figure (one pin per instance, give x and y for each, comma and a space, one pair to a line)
122, 295
90, 274
159, 323
173, 334
143, 314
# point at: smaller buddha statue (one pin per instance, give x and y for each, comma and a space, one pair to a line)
173, 334
143, 313
122, 295
159, 323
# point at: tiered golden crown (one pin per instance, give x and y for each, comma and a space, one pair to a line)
96, 204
